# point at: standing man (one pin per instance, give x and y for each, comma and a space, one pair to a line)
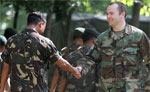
27, 55
77, 42
3, 41
124, 51
81, 57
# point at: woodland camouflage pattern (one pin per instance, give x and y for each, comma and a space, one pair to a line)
121, 67
87, 83
65, 52
28, 54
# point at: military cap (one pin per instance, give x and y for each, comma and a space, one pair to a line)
78, 32
3, 40
89, 33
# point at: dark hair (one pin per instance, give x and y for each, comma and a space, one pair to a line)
89, 34
3, 41
35, 18
9, 32
121, 7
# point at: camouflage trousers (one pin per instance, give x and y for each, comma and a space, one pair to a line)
73, 88
121, 86
147, 84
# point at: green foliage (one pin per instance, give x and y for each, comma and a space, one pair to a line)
6, 15
145, 9
9, 7
29, 5
61, 7
92, 6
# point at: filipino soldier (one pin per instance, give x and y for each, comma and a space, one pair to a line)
81, 58
27, 55
56, 84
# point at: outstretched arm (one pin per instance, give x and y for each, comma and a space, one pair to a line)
63, 64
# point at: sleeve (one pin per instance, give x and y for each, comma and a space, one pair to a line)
53, 53
96, 53
145, 48
86, 63
6, 55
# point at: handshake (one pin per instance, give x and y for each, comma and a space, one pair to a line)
77, 72
66, 66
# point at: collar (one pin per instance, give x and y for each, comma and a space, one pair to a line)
128, 29
86, 49
118, 35
29, 30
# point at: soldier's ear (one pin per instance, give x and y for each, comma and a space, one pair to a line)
40, 24
123, 14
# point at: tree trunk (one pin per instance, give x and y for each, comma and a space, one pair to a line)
135, 13
68, 26
47, 32
16, 18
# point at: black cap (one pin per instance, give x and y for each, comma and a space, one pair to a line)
89, 33
3, 40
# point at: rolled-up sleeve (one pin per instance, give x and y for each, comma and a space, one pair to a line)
53, 53
6, 55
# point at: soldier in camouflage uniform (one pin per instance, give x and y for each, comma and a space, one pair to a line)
3, 42
81, 58
77, 42
124, 51
27, 55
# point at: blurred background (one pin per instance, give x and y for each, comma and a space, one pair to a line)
65, 15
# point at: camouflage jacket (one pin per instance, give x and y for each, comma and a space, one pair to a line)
88, 81
66, 50
122, 60
28, 54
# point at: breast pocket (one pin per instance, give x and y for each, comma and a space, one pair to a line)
107, 51
130, 55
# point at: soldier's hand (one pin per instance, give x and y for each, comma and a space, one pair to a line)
77, 72
79, 68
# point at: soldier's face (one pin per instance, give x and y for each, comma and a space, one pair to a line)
113, 15
41, 27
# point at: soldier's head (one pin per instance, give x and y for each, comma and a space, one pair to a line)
77, 36
90, 36
3, 42
116, 13
9, 32
36, 20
